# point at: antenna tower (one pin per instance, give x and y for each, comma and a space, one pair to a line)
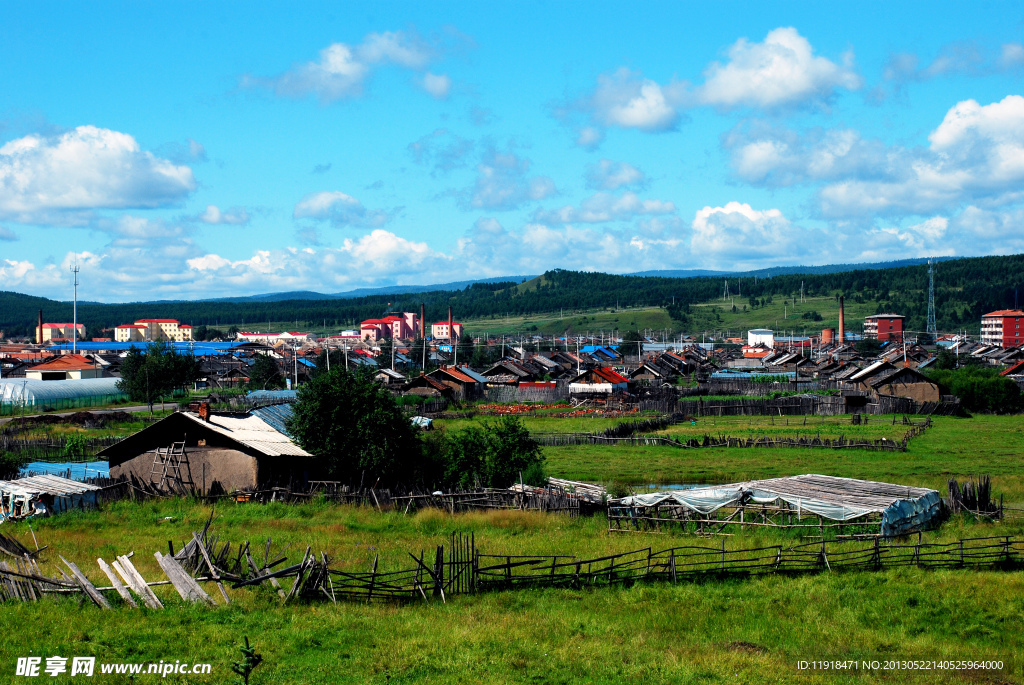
932, 328
74, 327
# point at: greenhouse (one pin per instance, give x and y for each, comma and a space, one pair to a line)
19, 394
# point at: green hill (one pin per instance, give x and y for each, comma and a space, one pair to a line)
965, 289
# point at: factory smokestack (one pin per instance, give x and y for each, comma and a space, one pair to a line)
842, 320
39, 332
451, 326
423, 320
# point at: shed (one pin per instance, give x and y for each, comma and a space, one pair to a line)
220, 452
43, 495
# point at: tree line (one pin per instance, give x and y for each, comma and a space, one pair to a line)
964, 288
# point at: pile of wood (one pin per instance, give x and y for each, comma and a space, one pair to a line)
974, 498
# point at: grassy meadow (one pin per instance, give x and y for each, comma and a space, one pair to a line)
717, 631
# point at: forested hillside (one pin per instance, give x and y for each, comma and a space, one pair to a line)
965, 289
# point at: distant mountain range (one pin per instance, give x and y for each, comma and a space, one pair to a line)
363, 292
665, 273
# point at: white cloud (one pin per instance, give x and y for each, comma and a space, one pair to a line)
236, 216
340, 209
626, 99
609, 175
739, 234
779, 157
82, 169
603, 207
438, 85
7, 234
782, 70
976, 155
342, 70
503, 183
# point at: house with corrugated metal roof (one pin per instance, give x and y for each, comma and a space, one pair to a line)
215, 452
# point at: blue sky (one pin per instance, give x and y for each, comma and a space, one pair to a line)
199, 150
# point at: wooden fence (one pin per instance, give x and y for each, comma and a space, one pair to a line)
55, 448
707, 440
459, 567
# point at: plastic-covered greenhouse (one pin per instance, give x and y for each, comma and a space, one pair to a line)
18, 394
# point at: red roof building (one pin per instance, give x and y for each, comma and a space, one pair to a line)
63, 368
884, 327
1003, 328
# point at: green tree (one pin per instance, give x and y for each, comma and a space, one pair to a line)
264, 374
868, 347
352, 424
157, 372
512, 452
981, 389
11, 464
632, 340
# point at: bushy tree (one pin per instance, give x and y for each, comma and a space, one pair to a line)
264, 374
493, 455
11, 464
159, 371
352, 424
981, 389
513, 451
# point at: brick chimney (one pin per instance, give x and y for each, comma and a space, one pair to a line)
423, 321
39, 334
842, 321
204, 411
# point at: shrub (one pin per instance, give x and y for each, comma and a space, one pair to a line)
981, 389
11, 465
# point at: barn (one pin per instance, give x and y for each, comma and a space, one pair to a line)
214, 452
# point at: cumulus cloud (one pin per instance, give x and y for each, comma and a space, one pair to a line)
774, 157
7, 234
609, 175
342, 70
441, 150
503, 182
236, 216
340, 209
738, 233
83, 169
782, 70
604, 207
627, 99
438, 85
976, 155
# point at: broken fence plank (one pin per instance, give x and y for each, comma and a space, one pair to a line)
87, 587
135, 580
116, 582
186, 586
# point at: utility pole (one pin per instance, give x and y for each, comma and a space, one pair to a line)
74, 327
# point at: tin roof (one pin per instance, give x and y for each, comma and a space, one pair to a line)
255, 431
45, 484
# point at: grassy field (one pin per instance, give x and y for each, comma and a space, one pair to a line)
737, 631
953, 447
733, 631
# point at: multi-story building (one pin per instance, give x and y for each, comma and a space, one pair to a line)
1003, 328
404, 327
884, 327
60, 331
440, 331
148, 330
